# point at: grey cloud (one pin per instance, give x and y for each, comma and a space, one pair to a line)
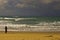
31, 8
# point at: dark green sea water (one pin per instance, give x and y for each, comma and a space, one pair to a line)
32, 20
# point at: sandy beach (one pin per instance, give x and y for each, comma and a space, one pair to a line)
29, 36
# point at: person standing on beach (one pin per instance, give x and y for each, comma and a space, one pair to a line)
5, 29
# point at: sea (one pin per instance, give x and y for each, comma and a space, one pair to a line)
30, 23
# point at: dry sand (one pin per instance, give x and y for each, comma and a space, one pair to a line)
29, 36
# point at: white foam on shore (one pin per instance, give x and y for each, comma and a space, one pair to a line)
42, 26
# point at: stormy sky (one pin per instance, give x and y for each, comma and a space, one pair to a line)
29, 7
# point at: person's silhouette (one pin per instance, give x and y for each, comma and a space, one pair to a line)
5, 29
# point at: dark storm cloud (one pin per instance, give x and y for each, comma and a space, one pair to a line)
54, 8
30, 7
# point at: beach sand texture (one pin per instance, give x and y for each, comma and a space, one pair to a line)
29, 36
